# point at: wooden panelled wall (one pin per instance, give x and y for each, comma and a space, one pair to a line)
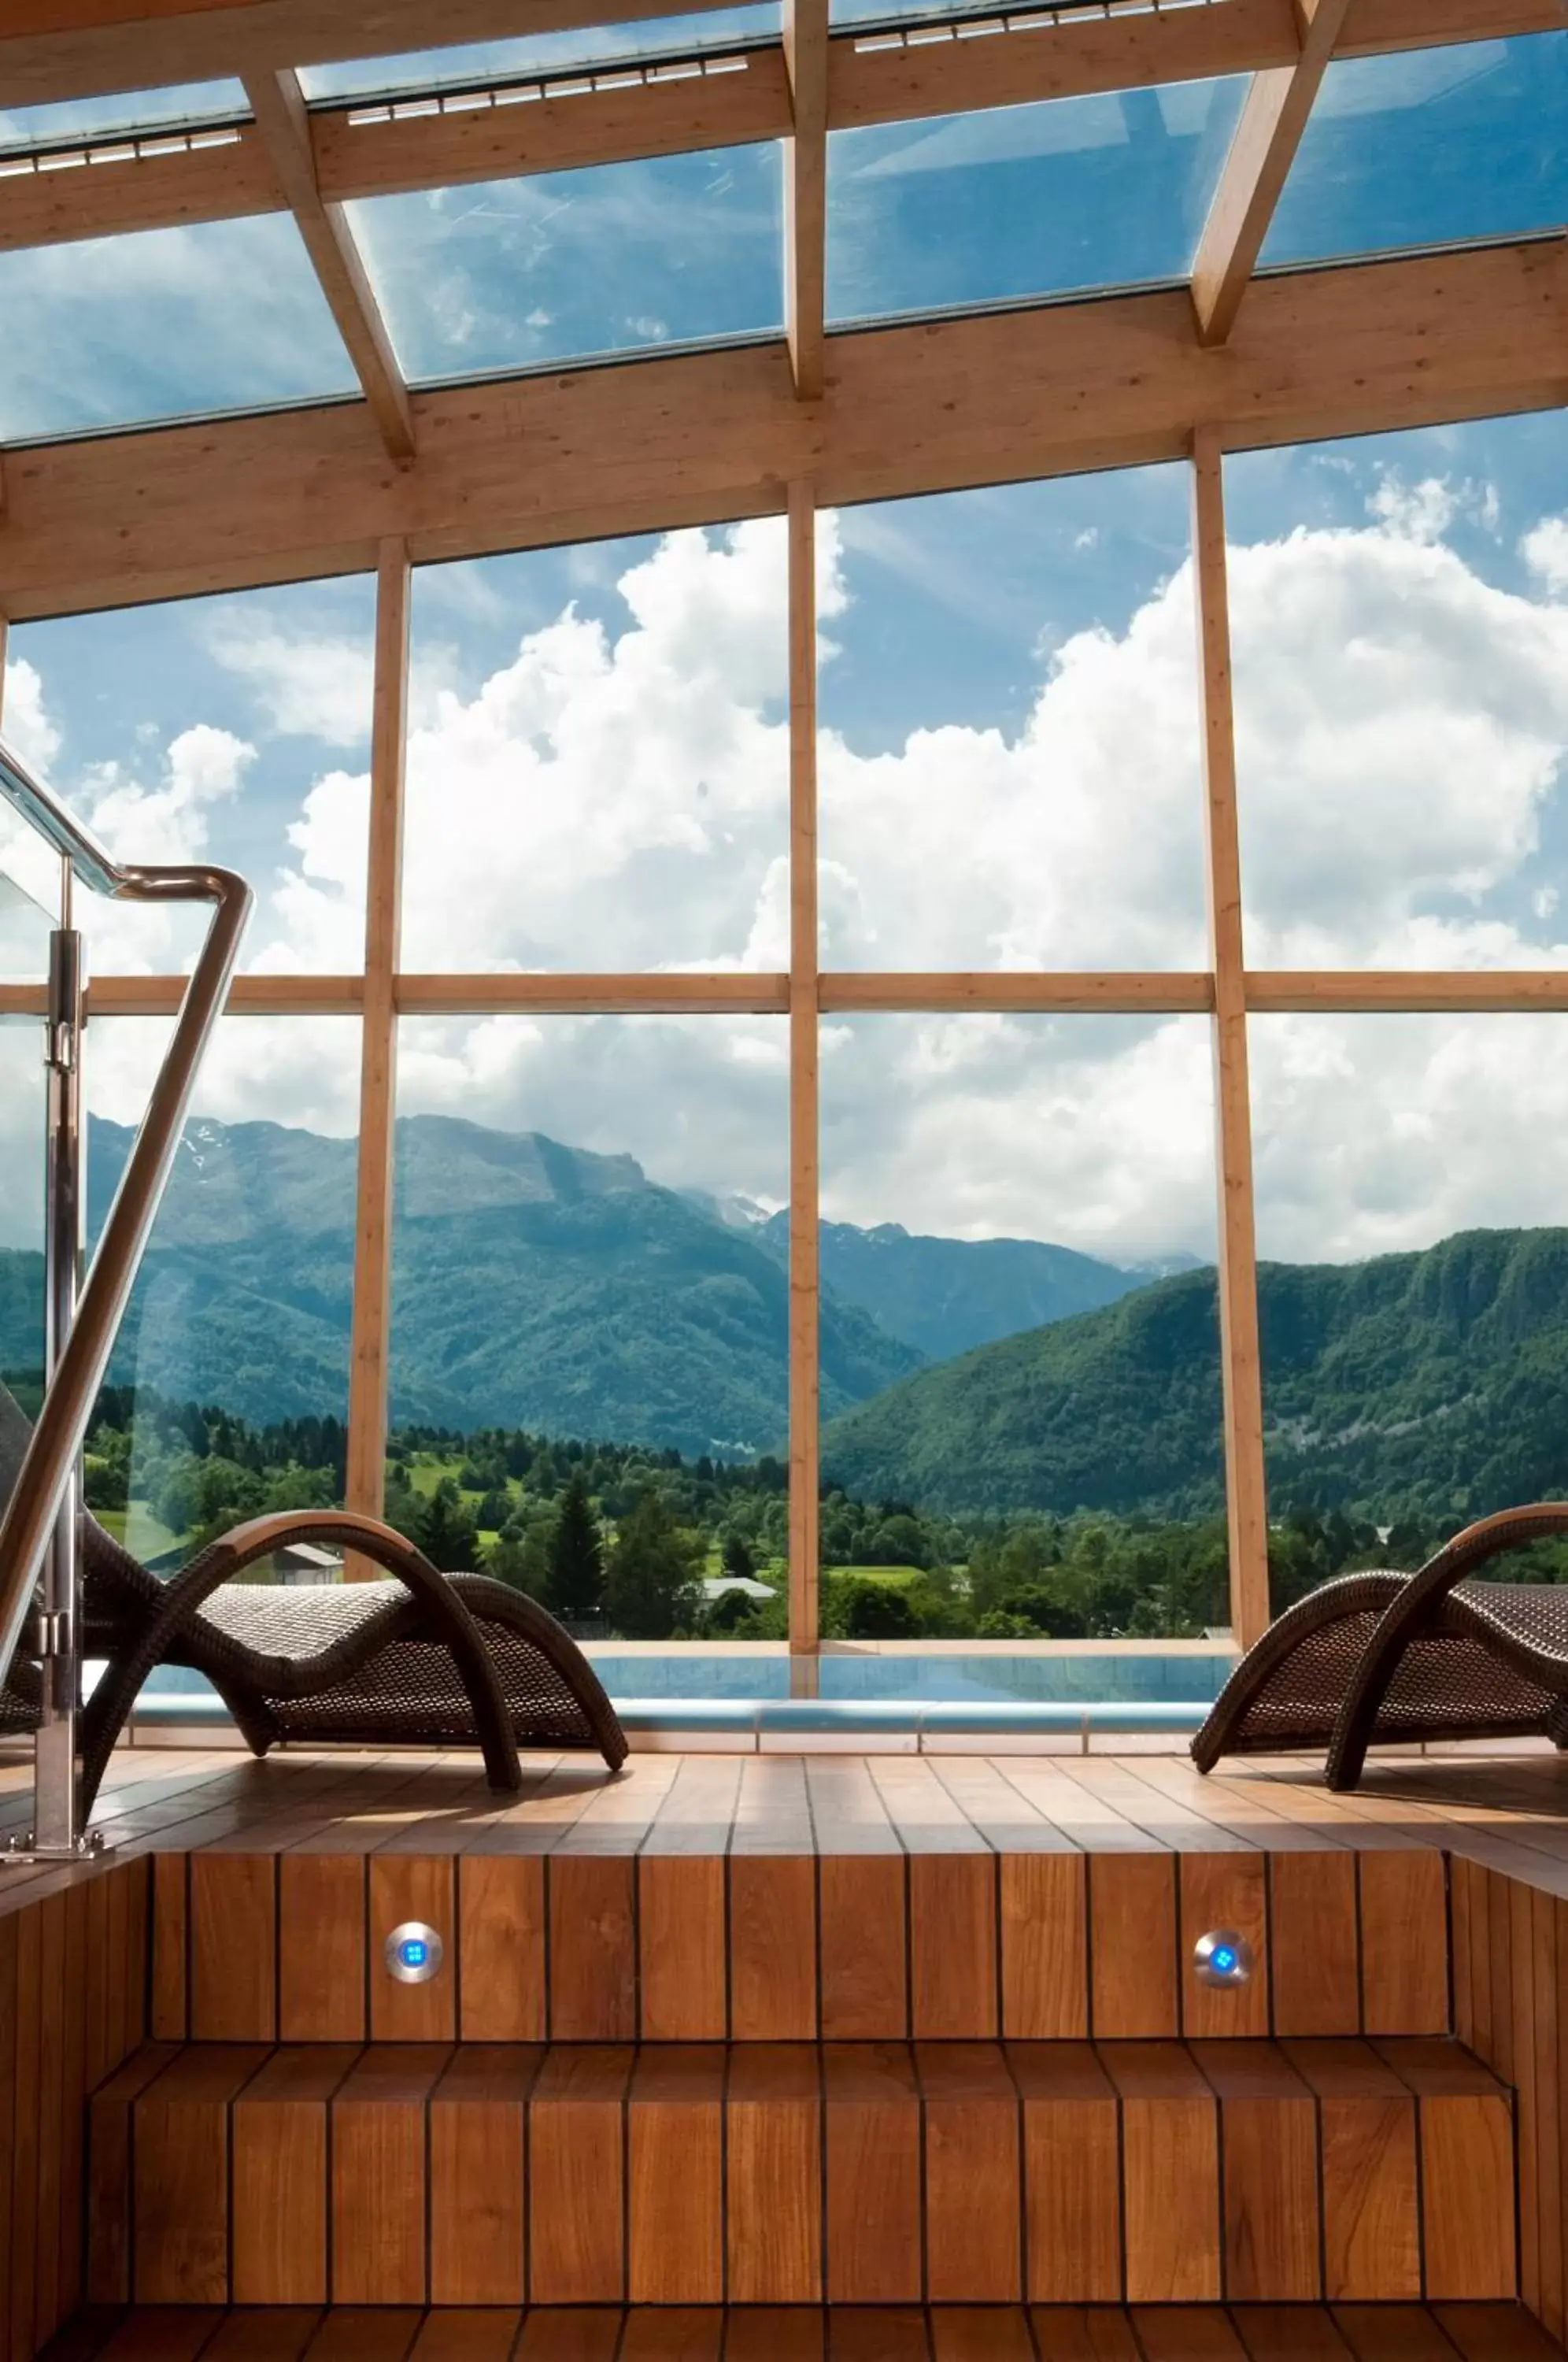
73, 2006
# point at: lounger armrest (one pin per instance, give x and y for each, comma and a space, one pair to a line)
1409, 1614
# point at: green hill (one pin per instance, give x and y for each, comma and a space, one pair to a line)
1432, 1383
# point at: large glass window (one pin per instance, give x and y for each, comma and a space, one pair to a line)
193, 101
1399, 627
598, 770
1014, 202
1010, 760
477, 61
1025, 1208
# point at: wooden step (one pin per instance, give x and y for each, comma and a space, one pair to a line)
947, 2173
710, 1946
1439, 2332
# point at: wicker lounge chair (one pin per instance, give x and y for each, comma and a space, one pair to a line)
1378, 1659
426, 1659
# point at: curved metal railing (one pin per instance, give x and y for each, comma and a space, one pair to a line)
41, 1485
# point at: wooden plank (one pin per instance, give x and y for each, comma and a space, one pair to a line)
410, 1887
180, 2150
108, 2151
768, 2334
1186, 2334
1170, 2173
500, 1945
1466, 2134
872, 2163
371, 1320
676, 2335
576, 2178
1289, 2332
878, 2334
12, 2133
593, 1948
681, 1949
805, 1145
321, 1947
675, 2176
1246, 1488
281, 2334
584, 2336
379, 2182
773, 2175
1527, 2142
1367, 2131
1545, 1969
973, 2189
112, 520
1070, 2333
1224, 1893
69, 2281
1392, 2333
1403, 1942
364, 2334
170, 1921
234, 1947
278, 2152
1263, 148
805, 191
467, 2334
1072, 2174
1044, 1947
477, 2120
962, 2333
773, 1948
1268, 2142
953, 1947
1315, 1953
50, 2127
1133, 1989
864, 1947
1495, 2333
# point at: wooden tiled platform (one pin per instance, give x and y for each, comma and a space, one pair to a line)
1440, 2332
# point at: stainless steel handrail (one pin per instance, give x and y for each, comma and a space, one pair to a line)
28, 1522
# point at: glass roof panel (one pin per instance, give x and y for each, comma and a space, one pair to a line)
1016, 201
609, 258
129, 110
1429, 145
163, 324
583, 44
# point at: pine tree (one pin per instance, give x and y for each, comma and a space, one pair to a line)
446, 1532
576, 1580
651, 1582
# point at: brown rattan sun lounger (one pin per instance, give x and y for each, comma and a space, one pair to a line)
426, 1659
1384, 1659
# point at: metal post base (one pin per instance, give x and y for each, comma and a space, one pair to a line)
21, 1853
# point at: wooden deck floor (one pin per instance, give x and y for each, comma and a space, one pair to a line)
1508, 1810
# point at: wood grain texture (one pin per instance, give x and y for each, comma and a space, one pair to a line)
773, 1948
872, 2148
404, 1886
1465, 2123
681, 1947
1403, 1942
953, 1962
1170, 2173
1044, 1947
1228, 1891
773, 2175
1315, 1954
576, 2177
962, 2333
379, 2186
181, 2175
879, 2334
675, 2174
1072, 2174
108, 2151
278, 2164
1064, 2332
593, 1948
477, 2120
1269, 2138
973, 2188
170, 1908
864, 1903
500, 1937
1132, 1946
1367, 2132
771, 2333
686, 2334
585, 2336
234, 1946
321, 1947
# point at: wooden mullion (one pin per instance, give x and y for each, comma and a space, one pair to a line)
804, 1114
1246, 1494
805, 192
368, 1360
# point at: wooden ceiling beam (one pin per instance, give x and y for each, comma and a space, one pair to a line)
805, 192
110, 520
1273, 117
284, 128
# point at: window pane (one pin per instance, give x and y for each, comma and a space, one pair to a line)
614, 257
598, 773
23, 1107
1012, 202
1410, 1209
235, 730
591, 1276
1026, 1207
1010, 760
243, 1304
163, 324
125, 110
1429, 146
1399, 617
477, 61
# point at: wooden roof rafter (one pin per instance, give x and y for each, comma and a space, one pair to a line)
805, 192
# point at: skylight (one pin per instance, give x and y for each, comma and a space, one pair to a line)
581, 45
26, 126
